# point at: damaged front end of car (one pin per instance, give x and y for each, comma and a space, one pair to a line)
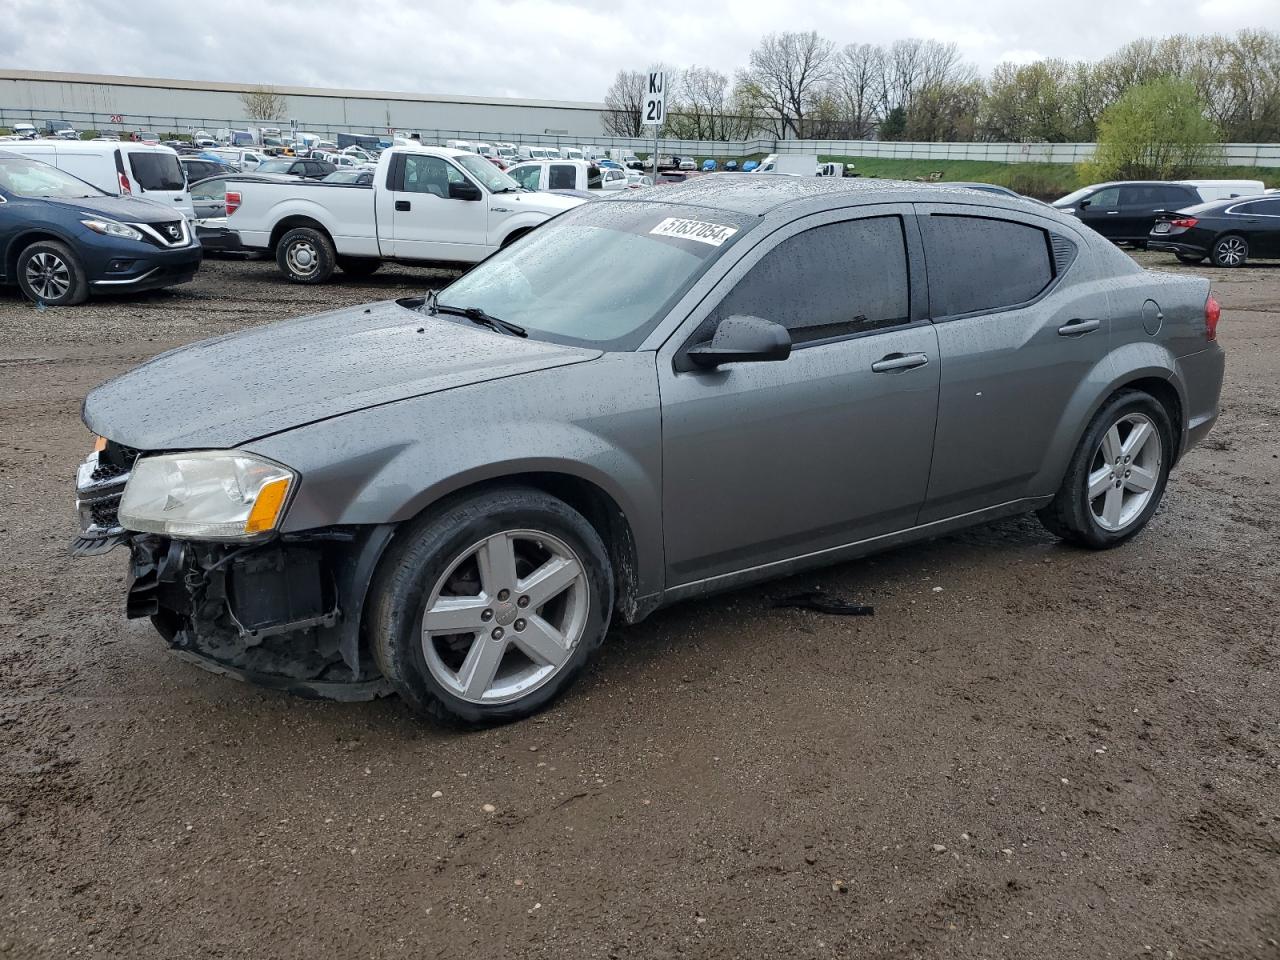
279, 610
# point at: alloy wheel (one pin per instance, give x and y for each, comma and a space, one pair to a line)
1124, 472
1232, 251
48, 276
505, 617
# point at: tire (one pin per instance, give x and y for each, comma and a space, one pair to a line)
1190, 258
441, 554
1088, 521
306, 255
359, 266
49, 272
1230, 251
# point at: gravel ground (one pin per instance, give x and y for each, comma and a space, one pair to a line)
1029, 751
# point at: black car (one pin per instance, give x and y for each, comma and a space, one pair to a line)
1125, 212
1228, 232
293, 167
61, 238
198, 168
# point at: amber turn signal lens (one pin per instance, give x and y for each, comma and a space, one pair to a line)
99, 444
266, 509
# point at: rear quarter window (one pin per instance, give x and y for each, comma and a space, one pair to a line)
157, 171
979, 264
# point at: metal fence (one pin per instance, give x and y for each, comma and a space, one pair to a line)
1232, 154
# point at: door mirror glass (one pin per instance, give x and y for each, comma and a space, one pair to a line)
742, 339
464, 191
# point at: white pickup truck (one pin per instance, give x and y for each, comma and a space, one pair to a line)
576, 175
426, 205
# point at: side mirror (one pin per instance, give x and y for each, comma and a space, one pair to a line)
1084, 204
464, 191
742, 340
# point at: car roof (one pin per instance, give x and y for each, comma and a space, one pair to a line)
761, 193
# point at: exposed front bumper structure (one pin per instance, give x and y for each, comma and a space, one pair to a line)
284, 613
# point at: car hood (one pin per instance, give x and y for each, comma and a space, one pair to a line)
231, 390
540, 201
125, 209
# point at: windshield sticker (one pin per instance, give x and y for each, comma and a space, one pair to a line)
712, 233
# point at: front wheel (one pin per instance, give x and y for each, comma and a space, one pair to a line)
306, 255
487, 611
49, 272
1117, 475
1230, 251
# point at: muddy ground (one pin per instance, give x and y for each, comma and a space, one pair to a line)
1030, 751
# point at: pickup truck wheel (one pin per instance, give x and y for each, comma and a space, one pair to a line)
359, 266
1117, 475
49, 272
487, 611
306, 255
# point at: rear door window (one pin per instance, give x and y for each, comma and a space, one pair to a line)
831, 281
978, 264
156, 171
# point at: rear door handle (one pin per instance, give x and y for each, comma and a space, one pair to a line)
1076, 328
895, 362
402, 205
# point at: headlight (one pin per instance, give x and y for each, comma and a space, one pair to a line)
112, 229
206, 495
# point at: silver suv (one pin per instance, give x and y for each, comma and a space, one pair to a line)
651, 397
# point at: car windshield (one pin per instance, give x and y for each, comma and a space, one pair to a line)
601, 275
484, 171
1075, 197
31, 178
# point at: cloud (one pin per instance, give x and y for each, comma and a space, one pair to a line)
548, 49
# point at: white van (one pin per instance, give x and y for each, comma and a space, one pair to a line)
124, 169
458, 145
244, 160
1211, 190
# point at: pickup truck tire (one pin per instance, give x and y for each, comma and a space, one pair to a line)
50, 273
359, 266
436, 562
306, 255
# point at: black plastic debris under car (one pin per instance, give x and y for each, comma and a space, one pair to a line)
821, 602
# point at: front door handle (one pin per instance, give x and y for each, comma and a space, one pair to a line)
402, 205
896, 362
1076, 328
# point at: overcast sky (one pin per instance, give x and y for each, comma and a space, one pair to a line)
551, 49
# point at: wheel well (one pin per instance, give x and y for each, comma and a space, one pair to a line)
515, 235
599, 509
289, 223
21, 243
1165, 394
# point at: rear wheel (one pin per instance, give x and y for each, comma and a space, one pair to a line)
1117, 477
359, 266
1190, 257
1230, 251
487, 611
306, 255
49, 272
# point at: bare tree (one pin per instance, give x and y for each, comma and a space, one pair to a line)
703, 107
785, 79
623, 103
857, 80
263, 103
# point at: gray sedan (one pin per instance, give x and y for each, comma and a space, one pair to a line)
649, 398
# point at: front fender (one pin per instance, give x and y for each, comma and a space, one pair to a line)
1124, 365
525, 220
597, 422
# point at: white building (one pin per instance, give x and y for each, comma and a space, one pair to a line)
92, 102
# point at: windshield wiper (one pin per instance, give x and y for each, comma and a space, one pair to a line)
475, 315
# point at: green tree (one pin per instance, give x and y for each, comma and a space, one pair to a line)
1156, 130
894, 124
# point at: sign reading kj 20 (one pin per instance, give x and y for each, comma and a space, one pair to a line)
655, 100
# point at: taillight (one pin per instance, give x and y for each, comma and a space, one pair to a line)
233, 201
1212, 314
126, 188
1186, 223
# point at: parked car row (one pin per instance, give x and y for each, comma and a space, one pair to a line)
1224, 221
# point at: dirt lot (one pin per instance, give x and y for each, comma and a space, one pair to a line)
1029, 751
